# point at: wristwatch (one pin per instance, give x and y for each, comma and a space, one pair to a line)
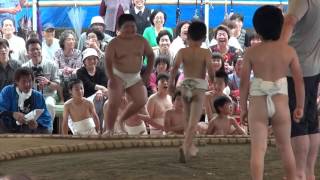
49, 83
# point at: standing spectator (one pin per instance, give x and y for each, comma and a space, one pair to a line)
141, 13
111, 10
68, 59
18, 99
97, 24
157, 19
240, 33
17, 44
7, 65
94, 81
181, 37
303, 23
95, 40
8, 9
50, 44
46, 74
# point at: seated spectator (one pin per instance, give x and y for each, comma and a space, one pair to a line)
240, 33
17, 44
164, 40
50, 44
95, 40
181, 37
219, 84
94, 81
158, 104
19, 99
157, 19
234, 78
229, 53
254, 39
223, 123
68, 59
161, 66
46, 74
174, 122
7, 65
97, 24
85, 120
141, 14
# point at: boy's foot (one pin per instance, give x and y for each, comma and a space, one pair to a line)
193, 151
182, 156
108, 133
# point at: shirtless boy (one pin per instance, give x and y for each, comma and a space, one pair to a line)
174, 118
158, 104
85, 120
270, 61
196, 61
224, 124
123, 64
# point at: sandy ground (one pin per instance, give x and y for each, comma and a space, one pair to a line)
215, 162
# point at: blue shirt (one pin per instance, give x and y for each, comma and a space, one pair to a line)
8, 4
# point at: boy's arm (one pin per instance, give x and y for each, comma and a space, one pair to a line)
298, 86
209, 66
174, 71
148, 52
239, 129
244, 85
210, 129
109, 58
151, 109
167, 121
95, 117
65, 119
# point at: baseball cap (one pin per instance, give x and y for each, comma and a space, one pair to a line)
89, 52
48, 27
97, 20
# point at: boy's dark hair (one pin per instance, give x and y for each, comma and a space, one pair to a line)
73, 81
176, 94
23, 72
217, 55
197, 31
161, 76
32, 41
162, 59
236, 16
163, 33
125, 18
220, 101
222, 28
268, 21
4, 42
154, 13
179, 26
223, 75
99, 34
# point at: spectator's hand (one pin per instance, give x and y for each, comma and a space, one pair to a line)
244, 117
67, 71
18, 116
297, 114
99, 95
33, 124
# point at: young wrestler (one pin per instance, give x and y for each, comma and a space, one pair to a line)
82, 112
219, 84
123, 64
158, 104
173, 118
223, 124
270, 61
195, 61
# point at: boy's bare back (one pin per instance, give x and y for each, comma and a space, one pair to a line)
78, 111
271, 60
221, 126
126, 53
195, 61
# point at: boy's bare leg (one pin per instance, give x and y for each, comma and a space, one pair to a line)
281, 124
114, 94
312, 156
258, 124
194, 116
138, 95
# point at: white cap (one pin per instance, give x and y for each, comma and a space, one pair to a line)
97, 19
89, 52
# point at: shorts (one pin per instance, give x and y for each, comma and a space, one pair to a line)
309, 123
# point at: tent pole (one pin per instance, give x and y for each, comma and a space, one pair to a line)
34, 15
206, 16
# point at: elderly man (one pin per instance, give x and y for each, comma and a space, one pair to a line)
19, 99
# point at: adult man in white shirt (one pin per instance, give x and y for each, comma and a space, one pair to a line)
50, 44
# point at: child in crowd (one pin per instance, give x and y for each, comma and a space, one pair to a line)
85, 120
270, 61
219, 84
123, 65
173, 119
158, 104
196, 61
223, 124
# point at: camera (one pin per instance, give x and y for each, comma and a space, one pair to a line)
37, 71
